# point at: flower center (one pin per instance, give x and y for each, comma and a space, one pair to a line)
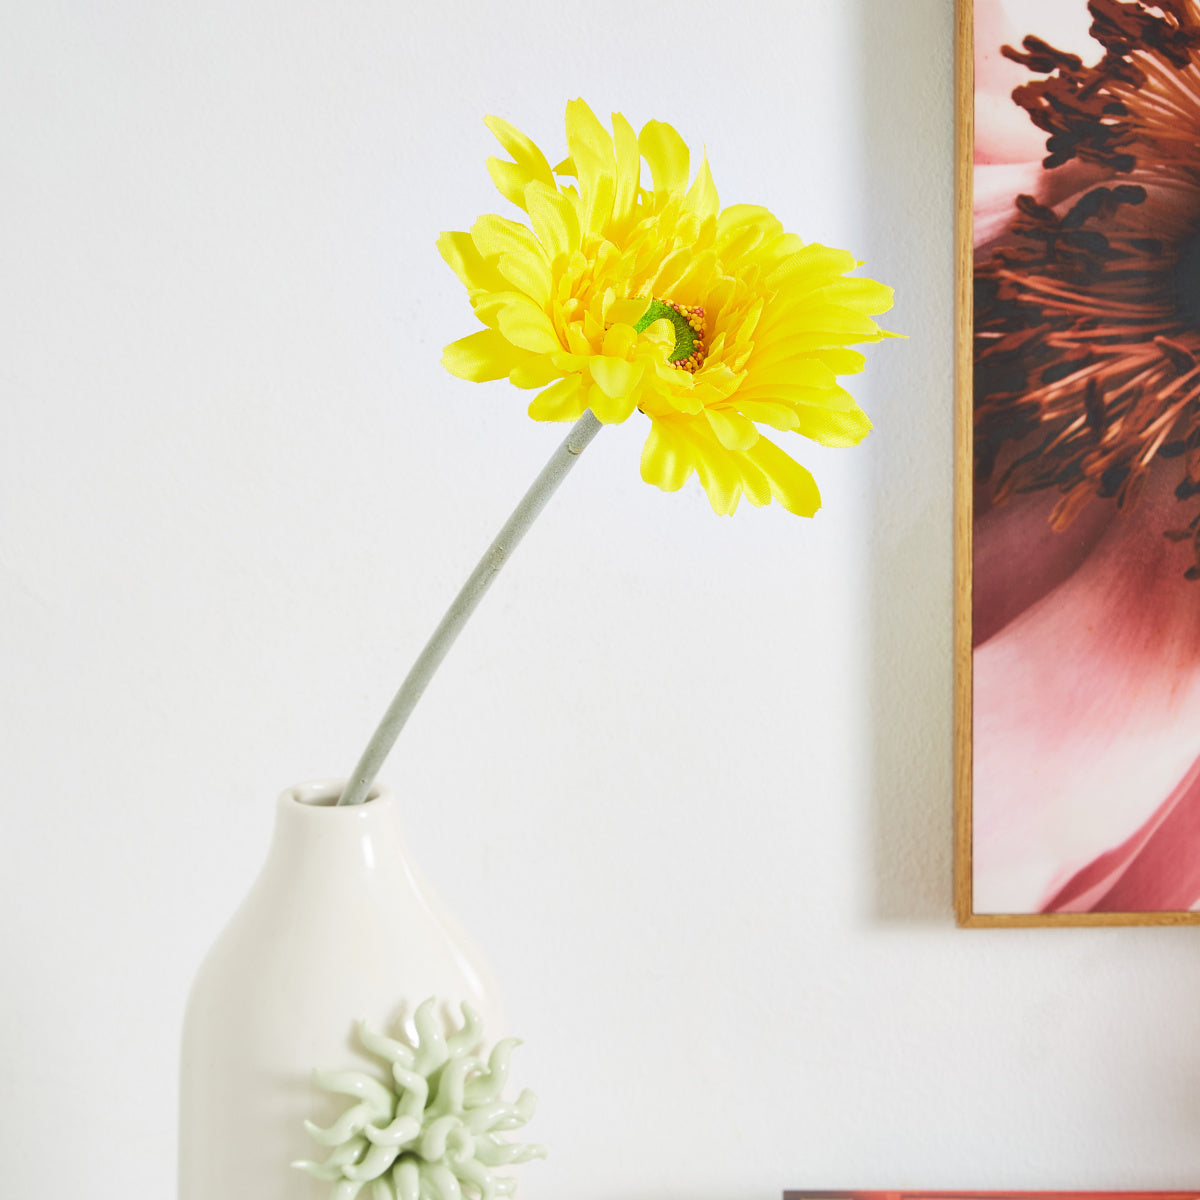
688, 322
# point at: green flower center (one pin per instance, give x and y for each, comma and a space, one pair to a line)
688, 322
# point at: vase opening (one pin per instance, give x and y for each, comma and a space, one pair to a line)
325, 793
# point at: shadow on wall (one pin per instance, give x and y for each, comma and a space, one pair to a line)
906, 57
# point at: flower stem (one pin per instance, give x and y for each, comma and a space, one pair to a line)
532, 503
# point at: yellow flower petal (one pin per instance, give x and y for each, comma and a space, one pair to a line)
586, 137
845, 323
488, 305
577, 342
792, 371
628, 167
733, 430
812, 266
529, 274
510, 180
527, 326
495, 235
593, 328
830, 427
718, 473
482, 356
595, 167
835, 398
787, 248
554, 220
666, 153
529, 162
627, 312
661, 334
534, 371
561, 401
667, 458
597, 208
698, 274
809, 344
619, 340
702, 198
768, 412
716, 383
568, 363
860, 294
670, 271
749, 322
842, 361
755, 486
612, 410
791, 484
464, 259
739, 220
616, 377
676, 448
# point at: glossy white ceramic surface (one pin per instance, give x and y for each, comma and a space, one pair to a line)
338, 926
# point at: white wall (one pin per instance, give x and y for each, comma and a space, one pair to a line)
686, 779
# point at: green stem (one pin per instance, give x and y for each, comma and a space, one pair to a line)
532, 503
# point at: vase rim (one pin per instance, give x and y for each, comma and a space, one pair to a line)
320, 795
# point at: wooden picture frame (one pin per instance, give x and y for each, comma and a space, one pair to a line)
1095, 418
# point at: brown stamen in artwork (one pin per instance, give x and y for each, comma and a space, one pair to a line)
1087, 327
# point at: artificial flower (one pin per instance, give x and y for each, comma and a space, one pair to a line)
614, 296
1087, 439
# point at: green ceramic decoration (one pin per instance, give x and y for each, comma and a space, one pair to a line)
431, 1129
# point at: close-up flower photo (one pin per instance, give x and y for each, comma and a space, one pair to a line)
1086, 582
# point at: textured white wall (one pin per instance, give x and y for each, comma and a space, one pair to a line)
687, 780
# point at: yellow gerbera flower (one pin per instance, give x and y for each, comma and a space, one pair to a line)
615, 296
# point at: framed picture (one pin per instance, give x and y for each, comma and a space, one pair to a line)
1077, 629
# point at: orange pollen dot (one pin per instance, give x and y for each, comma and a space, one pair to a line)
693, 314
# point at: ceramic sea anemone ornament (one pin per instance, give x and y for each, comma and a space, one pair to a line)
430, 1130
619, 294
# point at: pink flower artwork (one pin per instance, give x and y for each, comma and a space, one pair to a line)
1086, 557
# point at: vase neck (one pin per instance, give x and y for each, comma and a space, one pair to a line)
313, 833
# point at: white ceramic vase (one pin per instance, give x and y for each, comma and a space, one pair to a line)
338, 927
